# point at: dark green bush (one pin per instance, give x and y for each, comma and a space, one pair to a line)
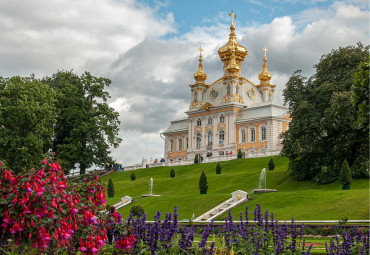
271, 164
218, 168
137, 210
203, 185
196, 159
133, 177
172, 173
240, 155
110, 188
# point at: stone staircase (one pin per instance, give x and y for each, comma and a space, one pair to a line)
124, 201
237, 197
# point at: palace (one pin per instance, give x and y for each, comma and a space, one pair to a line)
228, 114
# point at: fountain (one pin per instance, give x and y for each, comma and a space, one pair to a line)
261, 188
151, 190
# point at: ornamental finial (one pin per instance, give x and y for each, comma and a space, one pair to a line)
265, 49
232, 17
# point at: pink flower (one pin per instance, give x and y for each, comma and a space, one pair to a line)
44, 161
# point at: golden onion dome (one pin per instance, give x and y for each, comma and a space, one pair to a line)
264, 76
200, 76
232, 53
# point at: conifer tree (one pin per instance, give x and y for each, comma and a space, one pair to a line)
218, 168
110, 188
196, 159
203, 185
133, 177
271, 164
345, 174
240, 155
172, 173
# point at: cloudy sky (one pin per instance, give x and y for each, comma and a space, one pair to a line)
149, 48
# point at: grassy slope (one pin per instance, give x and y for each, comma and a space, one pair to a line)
305, 200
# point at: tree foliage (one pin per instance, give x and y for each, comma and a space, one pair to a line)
203, 185
324, 129
133, 177
27, 116
86, 126
196, 159
240, 154
360, 97
110, 188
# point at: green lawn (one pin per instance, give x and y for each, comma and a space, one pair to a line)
305, 200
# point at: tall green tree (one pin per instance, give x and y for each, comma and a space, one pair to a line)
27, 116
86, 126
323, 129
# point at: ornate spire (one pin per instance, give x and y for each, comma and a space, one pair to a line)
200, 76
265, 76
232, 53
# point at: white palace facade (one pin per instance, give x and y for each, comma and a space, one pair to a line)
228, 114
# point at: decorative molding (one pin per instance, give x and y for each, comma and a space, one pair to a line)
207, 106
252, 93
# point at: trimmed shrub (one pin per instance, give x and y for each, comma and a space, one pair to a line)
345, 177
172, 173
133, 177
271, 164
240, 155
110, 188
218, 168
203, 185
137, 210
196, 159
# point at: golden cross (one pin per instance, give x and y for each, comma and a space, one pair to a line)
200, 50
265, 49
232, 17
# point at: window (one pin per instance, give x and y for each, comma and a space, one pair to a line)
243, 135
222, 137
228, 90
199, 140
210, 138
199, 122
253, 135
263, 133
196, 96
213, 94
172, 143
209, 121
222, 119
187, 142
180, 144
237, 89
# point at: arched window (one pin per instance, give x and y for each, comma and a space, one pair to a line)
199, 122
196, 96
252, 134
237, 89
263, 133
187, 142
228, 90
210, 121
172, 144
221, 137
222, 119
209, 138
180, 144
243, 135
199, 140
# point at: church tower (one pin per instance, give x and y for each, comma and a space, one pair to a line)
266, 89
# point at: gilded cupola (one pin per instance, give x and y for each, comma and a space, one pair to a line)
232, 54
200, 76
264, 76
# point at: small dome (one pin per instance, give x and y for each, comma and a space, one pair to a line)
200, 76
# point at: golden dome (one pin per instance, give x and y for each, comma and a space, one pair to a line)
265, 76
200, 76
232, 49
